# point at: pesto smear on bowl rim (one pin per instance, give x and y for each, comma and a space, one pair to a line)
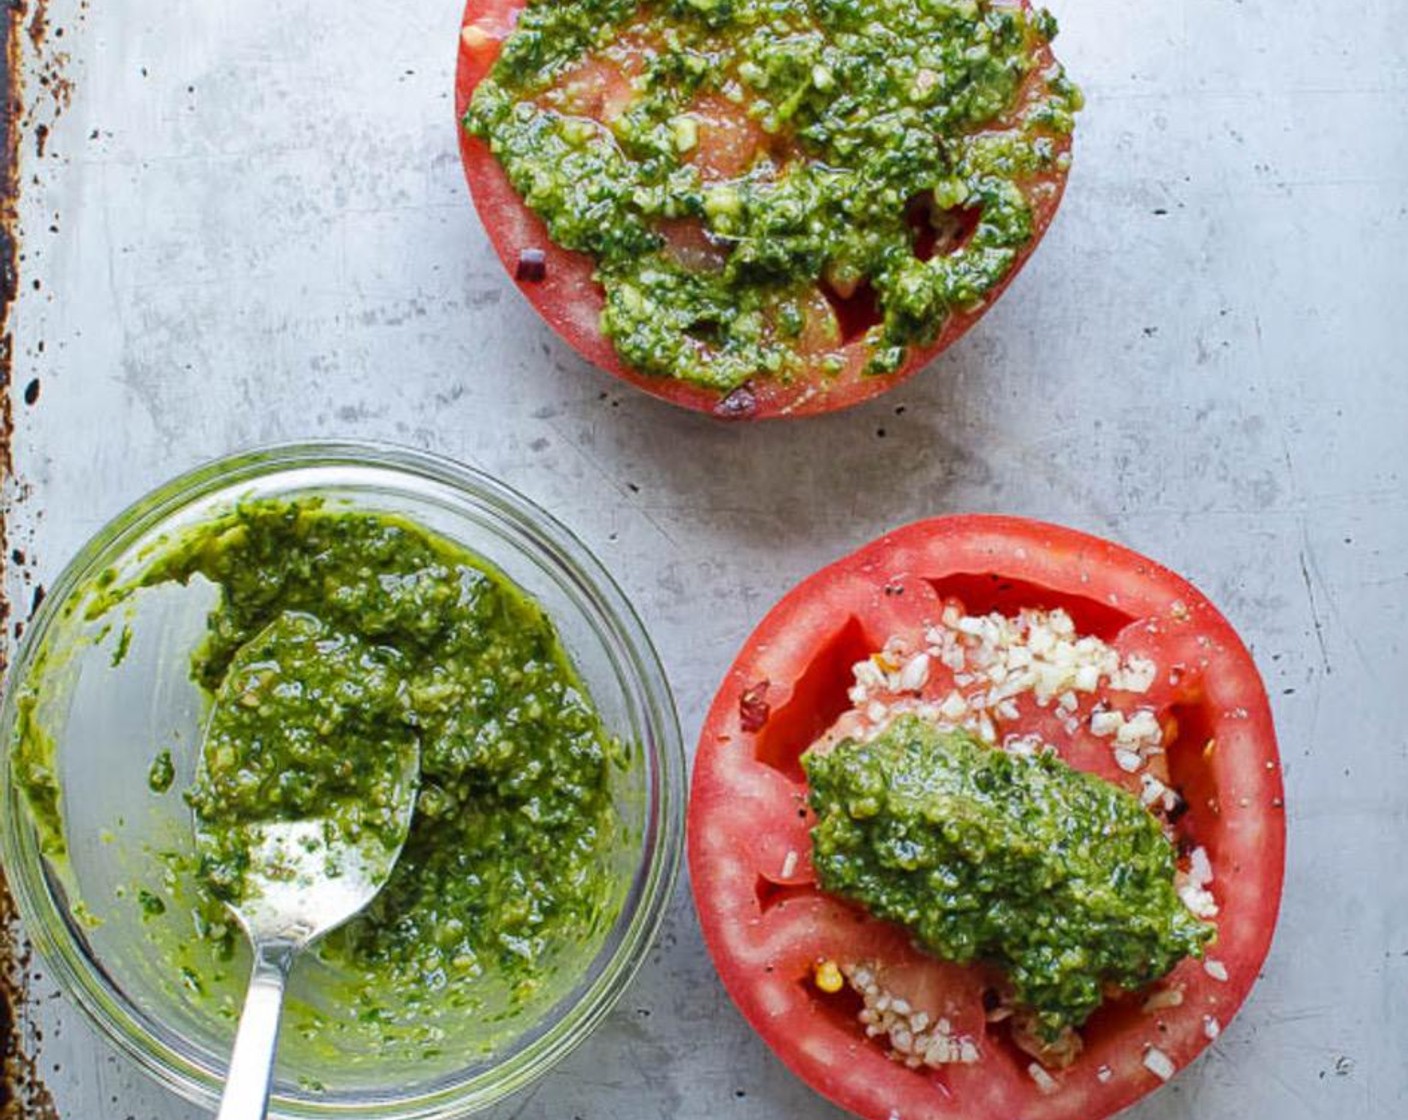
761, 184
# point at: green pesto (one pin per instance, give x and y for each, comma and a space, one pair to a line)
1059, 878
34, 757
339, 635
875, 104
124, 643
161, 773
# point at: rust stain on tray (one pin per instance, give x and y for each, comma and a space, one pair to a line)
9, 237
23, 1095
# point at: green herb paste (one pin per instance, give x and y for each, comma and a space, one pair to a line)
863, 108
1059, 878
161, 773
504, 861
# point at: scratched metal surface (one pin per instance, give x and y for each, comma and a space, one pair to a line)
248, 223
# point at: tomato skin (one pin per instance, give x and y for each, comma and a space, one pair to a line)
571, 301
745, 780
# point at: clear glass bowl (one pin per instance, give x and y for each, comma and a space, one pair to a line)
108, 721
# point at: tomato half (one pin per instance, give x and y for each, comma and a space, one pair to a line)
571, 301
767, 925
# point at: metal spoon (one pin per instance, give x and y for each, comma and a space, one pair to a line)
303, 878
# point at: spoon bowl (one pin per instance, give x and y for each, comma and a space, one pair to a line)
289, 894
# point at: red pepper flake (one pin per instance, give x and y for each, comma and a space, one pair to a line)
532, 266
753, 709
740, 404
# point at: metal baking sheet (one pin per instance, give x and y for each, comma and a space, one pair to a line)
240, 222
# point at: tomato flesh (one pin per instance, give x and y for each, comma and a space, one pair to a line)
729, 142
767, 930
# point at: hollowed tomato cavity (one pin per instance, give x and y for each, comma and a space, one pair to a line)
985, 592
856, 312
843, 1008
771, 893
938, 233
998, 1047
1192, 774
817, 701
1119, 1016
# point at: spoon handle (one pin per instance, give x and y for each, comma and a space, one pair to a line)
246, 1095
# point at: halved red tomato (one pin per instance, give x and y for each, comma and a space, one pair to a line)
768, 926
565, 294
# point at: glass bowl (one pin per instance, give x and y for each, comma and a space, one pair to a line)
108, 714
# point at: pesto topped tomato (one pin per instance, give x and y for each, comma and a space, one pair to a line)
763, 207
986, 821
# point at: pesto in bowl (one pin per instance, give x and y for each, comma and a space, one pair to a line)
414, 598
507, 863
